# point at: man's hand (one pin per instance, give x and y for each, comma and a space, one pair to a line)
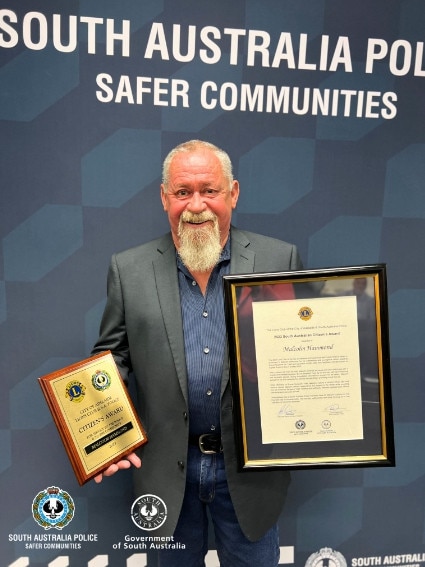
131, 459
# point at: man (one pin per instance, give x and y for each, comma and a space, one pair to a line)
164, 321
365, 303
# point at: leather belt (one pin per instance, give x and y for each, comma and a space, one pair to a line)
208, 443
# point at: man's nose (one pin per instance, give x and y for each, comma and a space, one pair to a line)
196, 203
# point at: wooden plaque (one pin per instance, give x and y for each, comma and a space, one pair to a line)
93, 413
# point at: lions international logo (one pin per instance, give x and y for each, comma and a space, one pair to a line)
149, 512
101, 380
75, 391
53, 508
305, 313
326, 557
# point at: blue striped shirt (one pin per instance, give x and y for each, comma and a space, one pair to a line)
204, 329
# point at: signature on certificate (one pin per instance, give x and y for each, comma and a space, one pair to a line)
335, 408
286, 409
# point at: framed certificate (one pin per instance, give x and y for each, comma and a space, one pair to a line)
93, 413
310, 368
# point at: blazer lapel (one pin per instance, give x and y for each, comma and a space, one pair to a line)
166, 277
242, 261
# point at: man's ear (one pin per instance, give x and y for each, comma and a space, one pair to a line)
164, 198
235, 193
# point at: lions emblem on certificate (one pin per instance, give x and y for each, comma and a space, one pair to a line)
308, 368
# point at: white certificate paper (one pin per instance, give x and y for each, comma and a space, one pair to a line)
308, 369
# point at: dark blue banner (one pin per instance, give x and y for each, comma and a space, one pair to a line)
320, 105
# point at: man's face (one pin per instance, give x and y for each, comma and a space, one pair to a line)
197, 188
359, 286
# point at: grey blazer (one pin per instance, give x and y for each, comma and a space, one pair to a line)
142, 326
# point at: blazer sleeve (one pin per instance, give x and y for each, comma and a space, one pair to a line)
113, 332
296, 262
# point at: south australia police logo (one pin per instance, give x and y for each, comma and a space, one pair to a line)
101, 380
53, 508
326, 557
149, 512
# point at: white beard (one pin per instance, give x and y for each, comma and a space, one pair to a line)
200, 248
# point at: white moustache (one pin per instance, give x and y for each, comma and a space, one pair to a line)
197, 218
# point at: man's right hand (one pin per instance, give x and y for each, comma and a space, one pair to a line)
131, 459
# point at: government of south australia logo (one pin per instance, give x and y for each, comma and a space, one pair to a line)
149, 512
53, 508
326, 557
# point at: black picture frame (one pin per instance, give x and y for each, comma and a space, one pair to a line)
375, 445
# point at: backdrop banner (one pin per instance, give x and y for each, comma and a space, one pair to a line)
320, 105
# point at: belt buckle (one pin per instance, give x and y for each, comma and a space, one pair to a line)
201, 445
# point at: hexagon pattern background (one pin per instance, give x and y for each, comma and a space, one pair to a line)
80, 180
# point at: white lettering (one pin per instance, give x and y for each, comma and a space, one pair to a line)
342, 56
13, 37
191, 44
419, 70
206, 102
284, 51
72, 34
376, 51
124, 90
400, 50
37, 28
403, 56
91, 32
302, 55
277, 101
235, 34
157, 42
112, 36
34, 29
106, 94
215, 55
160, 91
300, 101
260, 47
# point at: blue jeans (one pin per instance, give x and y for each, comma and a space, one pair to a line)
206, 487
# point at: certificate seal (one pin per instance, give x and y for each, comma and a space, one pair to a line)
326, 557
149, 512
305, 313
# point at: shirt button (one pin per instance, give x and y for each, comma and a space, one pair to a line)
206, 350
205, 314
212, 427
209, 392
193, 283
180, 464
